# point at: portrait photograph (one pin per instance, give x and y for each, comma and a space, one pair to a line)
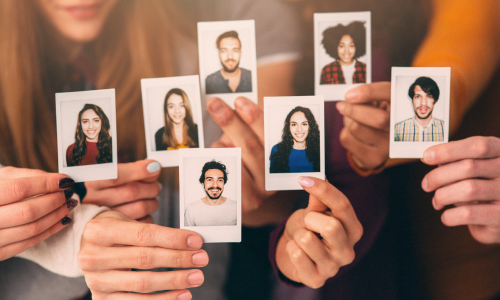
228, 60
294, 140
210, 193
172, 117
86, 134
420, 105
342, 52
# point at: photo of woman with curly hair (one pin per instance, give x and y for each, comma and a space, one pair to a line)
345, 44
179, 129
92, 138
299, 148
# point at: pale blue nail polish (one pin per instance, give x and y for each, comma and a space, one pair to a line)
154, 167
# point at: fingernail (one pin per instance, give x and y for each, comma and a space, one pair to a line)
200, 258
154, 167
241, 104
195, 278
194, 242
306, 181
434, 203
429, 156
68, 193
65, 221
160, 186
184, 296
66, 183
424, 184
216, 106
71, 204
340, 107
352, 94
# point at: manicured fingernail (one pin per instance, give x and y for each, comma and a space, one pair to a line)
241, 104
185, 296
71, 204
195, 278
216, 106
154, 167
65, 221
66, 183
340, 106
200, 258
424, 184
68, 193
429, 156
306, 181
194, 242
352, 94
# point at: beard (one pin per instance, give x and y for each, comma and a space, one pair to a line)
214, 198
424, 117
230, 70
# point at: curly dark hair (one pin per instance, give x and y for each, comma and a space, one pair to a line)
213, 165
104, 144
332, 36
279, 159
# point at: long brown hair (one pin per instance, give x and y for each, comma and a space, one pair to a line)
133, 44
188, 131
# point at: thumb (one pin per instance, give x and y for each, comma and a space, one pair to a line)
314, 203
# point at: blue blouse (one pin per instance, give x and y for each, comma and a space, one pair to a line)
297, 161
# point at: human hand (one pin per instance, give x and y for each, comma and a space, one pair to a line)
133, 193
244, 127
468, 177
305, 257
33, 206
113, 244
365, 135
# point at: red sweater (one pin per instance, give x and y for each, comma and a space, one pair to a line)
90, 157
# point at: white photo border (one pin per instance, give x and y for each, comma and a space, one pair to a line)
288, 181
416, 149
249, 50
170, 158
89, 172
212, 234
336, 92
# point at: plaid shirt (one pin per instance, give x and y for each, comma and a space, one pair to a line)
332, 73
408, 131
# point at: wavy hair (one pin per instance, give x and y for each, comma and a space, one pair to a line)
332, 36
280, 157
189, 134
104, 145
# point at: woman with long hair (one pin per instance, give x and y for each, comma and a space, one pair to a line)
345, 44
92, 139
179, 131
299, 149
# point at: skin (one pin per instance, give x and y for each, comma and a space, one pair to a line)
467, 182
346, 50
214, 186
299, 128
423, 104
91, 125
230, 54
176, 111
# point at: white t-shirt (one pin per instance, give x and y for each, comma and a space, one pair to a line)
348, 72
201, 214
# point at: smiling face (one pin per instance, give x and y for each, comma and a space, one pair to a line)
77, 20
176, 109
423, 103
346, 50
214, 183
91, 125
230, 53
299, 127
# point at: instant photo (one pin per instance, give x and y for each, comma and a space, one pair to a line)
342, 53
294, 140
172, 117
420, 110
210, 193
86, 135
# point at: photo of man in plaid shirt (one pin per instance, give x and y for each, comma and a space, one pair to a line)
423, 127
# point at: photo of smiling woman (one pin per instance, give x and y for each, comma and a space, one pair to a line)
92, 139
345, 44
299, 149
179, 131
